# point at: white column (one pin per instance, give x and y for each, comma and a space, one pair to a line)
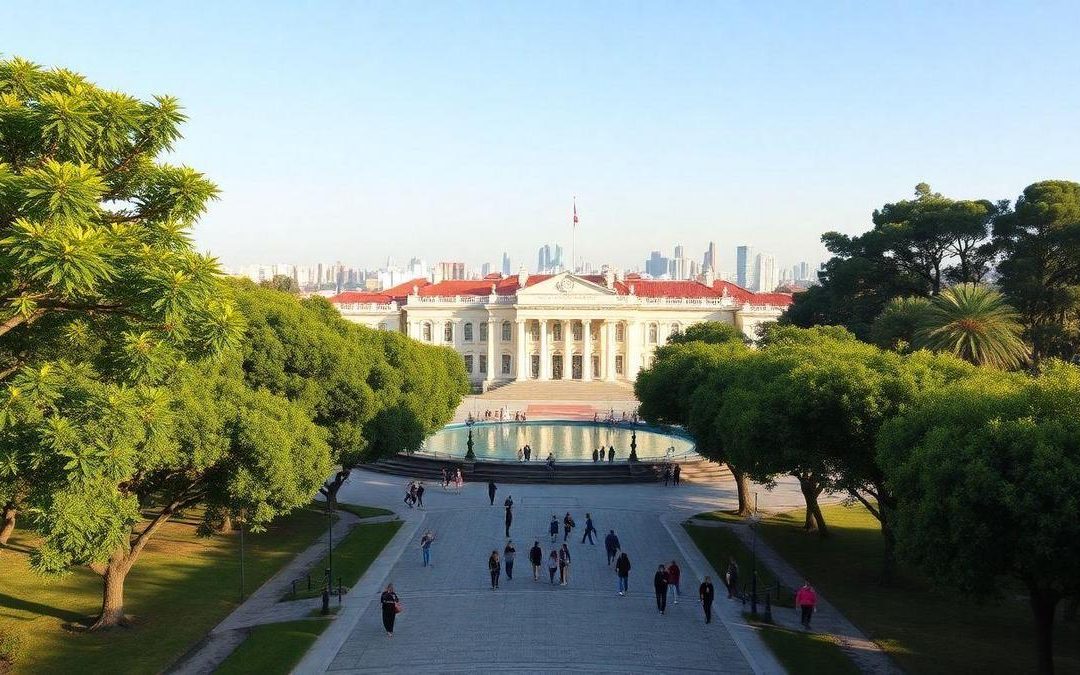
568, 350
545, 353
635, 340
522, 366
586, 350
610, 346
491, 354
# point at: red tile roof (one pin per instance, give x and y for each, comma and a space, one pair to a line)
646, 288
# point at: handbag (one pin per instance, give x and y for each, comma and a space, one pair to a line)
398, 608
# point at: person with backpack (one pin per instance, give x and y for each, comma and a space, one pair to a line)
567, 525
622, 570
493, 569
660, 584
611, 543
536, 557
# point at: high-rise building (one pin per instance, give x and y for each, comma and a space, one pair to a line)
680, 251
744, 262
557, 261
765, 277
451, 271
656, 265
506, 264
801, 271
485, 269
710, 259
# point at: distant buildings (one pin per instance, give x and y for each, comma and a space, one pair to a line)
451, 271
506, 264
765, 274
549, 260
744, 260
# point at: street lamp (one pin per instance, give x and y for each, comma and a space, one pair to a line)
242, 517
754, 517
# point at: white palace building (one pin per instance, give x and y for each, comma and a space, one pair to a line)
556, 327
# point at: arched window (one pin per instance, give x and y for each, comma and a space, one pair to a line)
620, 332
675, 328
654, 333
506, 331
468, 332
427, 332
448, 332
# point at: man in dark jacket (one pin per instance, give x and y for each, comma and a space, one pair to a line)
622, 569
611, 543
491, 491
706, 593
589, 530
536, 558
660, 586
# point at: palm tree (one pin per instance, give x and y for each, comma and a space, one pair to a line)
975, 323
896, 326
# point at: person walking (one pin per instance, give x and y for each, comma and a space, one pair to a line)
445, 478
564, 565
673, 573
611, 453
391, 606
622, 570
667, 474
806, 604
459, 480
528, 452
509, 553
509, 504
660, 584
706, 595
678, 472
493, 569
553, 528
553, 565
410, 493
731, 578
425, 547
420, 494
589, 530
567, 525
491, 491
536, 557
611, 543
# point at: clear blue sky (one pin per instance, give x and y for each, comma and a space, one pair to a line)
356, 130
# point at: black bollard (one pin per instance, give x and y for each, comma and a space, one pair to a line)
753, 595
326, 601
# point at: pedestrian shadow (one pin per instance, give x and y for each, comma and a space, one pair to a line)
10, 602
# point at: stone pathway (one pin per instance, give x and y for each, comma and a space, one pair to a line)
867, 655
454, 622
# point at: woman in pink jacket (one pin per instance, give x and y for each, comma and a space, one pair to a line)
805, 602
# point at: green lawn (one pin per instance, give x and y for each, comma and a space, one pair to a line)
925, 631
809, 653
364, 511
718, 544
352, 556
180, 588
273, 648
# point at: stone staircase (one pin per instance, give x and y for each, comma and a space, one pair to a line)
559, 390
429, 469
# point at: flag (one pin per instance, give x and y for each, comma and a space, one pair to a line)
575, 212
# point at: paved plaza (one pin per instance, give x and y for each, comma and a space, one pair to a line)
454, 622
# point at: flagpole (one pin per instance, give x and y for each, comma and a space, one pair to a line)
573, 240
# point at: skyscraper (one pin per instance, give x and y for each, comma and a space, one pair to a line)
656, 265
485, 269
451, 271
744, 260
801, 271
710, 260
765, 278
506, 264
543, 259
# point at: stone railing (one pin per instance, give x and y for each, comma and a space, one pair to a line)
366, 307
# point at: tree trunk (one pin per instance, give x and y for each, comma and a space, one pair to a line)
112, 594
742, 486
8, 524
330, 488
815, 521
1043, 605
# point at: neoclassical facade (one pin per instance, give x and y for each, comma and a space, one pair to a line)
556, 327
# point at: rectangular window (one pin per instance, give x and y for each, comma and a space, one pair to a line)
556, 331
506, 331
505, 364
468, 364
448, 332
483, 331
483, 364
535, 332
468, 332
618, 364
577, 331
620, 332
427, 332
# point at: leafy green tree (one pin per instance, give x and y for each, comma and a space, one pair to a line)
986, 474
283, 283
896, 326
115, 463
709, 332
974, 323
1040, 269
666, 390
96, 267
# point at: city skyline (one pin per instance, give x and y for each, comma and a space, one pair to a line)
712, 121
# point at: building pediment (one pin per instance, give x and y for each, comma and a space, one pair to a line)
564, 285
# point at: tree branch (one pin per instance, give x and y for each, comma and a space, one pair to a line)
865, 502
20, 319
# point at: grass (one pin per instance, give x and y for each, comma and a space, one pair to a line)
802, 652
352, 556
273, 648
364, 511
924, 630
718, 544
179, 589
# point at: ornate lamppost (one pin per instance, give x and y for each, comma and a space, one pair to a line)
470, 455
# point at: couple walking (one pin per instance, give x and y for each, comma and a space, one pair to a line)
558, 561
666, 580
494, 568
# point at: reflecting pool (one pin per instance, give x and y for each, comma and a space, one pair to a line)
567, 440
